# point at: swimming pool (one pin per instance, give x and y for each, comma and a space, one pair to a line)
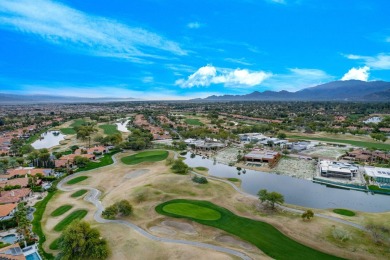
10, 239
33, 256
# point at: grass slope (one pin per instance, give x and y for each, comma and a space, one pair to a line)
147, 156
263, 235
344, 212
382, 146
109, 129
193, 122
104, 161
77, 214
61, 210
78, 122
68, 131
77, 180
55, 245
78, 193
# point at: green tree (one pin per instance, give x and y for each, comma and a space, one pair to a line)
308, 214
110, 212
80, 241
281, 135
180, 167
271, 198
124, 208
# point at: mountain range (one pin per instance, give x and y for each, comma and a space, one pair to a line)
349, 90
9, 99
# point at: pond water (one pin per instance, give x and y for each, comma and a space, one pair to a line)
123, 126
49, 140
296, 191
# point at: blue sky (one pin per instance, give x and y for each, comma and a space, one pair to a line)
176, 49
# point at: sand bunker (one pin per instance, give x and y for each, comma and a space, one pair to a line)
182, 227
136, 173
233, 241
162, 230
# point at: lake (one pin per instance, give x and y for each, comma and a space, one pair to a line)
49, 140
296, 191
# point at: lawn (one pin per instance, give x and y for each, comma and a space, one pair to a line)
109, 129
54, 245
104, 161
193, 122
77, 214
77, 180
344, 212
233, 179
201, 168
147, 156
382, 146
78, 193
376, 188
61, 210
78, 122
68, 131
263, 235
192, 211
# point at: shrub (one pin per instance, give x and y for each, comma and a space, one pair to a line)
341, 234
199, 179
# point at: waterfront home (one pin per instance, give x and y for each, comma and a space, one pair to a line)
380, 175
266, 156
7, 211
337, 169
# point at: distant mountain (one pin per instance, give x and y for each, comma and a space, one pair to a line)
30, 99
350, 90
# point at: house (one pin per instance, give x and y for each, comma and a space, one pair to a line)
62, 163
380, 175
15, 196
12, 252
266, 156
71, 157
337, 169
93, 150
7, 211
24, 172
22, 182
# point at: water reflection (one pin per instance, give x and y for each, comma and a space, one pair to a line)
48, 140
296, 191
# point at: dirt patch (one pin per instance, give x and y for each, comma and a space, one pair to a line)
136, 173
162, 230
232, 241
182, 227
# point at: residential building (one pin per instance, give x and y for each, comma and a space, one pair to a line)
12, 252
380, 175
337, 169
7, 211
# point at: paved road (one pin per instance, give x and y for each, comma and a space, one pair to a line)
93, 197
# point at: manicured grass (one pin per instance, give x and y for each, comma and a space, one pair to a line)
61, 210
68, 131
54, 245
344, 212
376, 188
263, 235
109, 129
40, 207
77, 214
104, 161
233, 179
78, 193
147, 156
193, 122
382, 146
200, 168
77, 180
78, 122
192, 211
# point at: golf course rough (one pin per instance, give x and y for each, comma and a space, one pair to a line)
263, 235
146, 156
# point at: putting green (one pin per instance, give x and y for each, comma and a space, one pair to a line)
263, 235
192, 211
146, 156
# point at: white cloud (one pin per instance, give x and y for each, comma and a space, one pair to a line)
297, 79
380, 61
241, 61
148, 79
194, 25
357, 74
238, 78
94, 35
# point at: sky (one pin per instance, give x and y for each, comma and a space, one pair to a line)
176, 49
